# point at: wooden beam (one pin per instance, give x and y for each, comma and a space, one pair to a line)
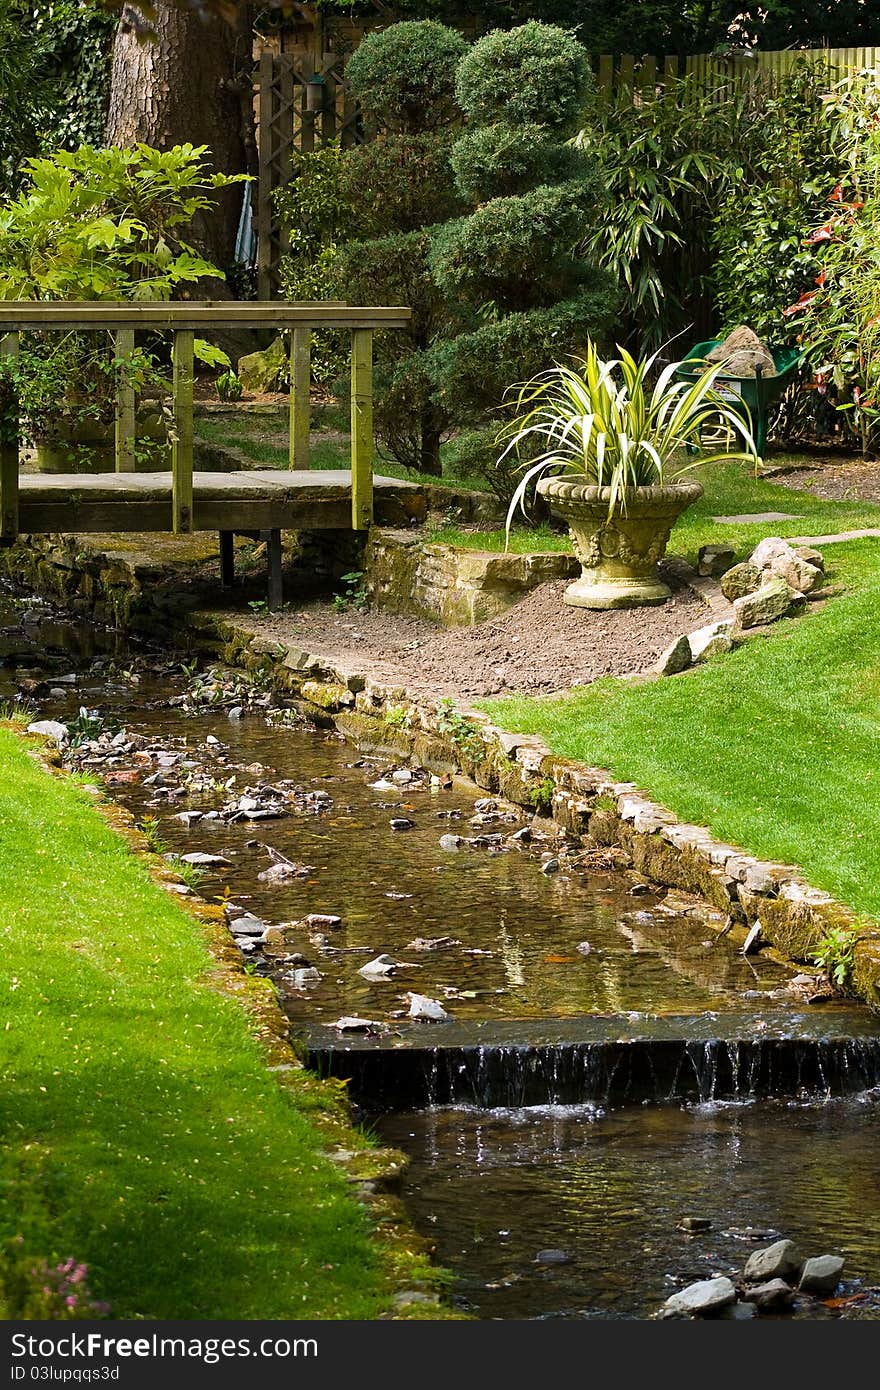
8, 447
125, 404
300, 385
15, 316
182, 446
361, 429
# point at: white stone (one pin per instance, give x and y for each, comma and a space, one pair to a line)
425, 1009
705, 1296
712, 640
772, 548
50, 728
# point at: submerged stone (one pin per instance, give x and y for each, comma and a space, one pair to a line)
705, 1296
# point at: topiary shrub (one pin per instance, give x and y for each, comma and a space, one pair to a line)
402, 186
537, 74
404, 76
524, 298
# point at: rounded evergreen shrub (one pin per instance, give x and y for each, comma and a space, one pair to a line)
525, 299
516, 249
401, 182
537, 74
404, 76
496, 161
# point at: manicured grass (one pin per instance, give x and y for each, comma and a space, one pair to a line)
731, 489
142, 1131
523, 540
773, 747
245, 432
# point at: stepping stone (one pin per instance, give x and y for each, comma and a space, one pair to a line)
746, 518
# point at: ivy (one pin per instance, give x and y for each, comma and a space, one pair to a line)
55, 79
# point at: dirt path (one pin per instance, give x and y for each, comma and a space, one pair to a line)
539, 645
846, 480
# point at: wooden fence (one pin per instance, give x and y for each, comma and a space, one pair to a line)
628, 76
295, 113
301, 106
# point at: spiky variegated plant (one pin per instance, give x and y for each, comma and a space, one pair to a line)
602, 420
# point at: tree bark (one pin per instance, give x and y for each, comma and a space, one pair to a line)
192, 82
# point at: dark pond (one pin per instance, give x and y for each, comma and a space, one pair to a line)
494, 1189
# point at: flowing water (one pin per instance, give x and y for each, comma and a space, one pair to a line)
572, 1001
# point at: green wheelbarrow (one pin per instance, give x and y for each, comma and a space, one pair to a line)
753, 394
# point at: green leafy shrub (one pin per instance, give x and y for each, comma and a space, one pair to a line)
761, 262
524, 298
535, 74
318, 214
104, 224
834, 954
838, 317
404, 79
706, 191
404, 76
494, 254
498, 160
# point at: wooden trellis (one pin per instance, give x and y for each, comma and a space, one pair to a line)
287, 127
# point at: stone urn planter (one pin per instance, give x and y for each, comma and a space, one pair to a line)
88, 446
618, 553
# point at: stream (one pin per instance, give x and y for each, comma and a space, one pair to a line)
575, 996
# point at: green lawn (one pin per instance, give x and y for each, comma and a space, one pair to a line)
523, 540
773, 746
731, 489
247, 433
142, 1131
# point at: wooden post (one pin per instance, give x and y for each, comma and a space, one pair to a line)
274, 561
125, 407
8, 448
182, 448
361, 429
227, 559
300, 383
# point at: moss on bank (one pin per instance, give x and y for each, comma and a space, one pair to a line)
143, 1131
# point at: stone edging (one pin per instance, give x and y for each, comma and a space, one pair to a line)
585, 801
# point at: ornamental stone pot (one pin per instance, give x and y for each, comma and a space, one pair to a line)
88, 446
618, 554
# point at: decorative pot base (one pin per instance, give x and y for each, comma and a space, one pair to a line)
598, 591
618, 549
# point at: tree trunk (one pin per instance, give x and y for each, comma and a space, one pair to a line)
191, 83
432, 433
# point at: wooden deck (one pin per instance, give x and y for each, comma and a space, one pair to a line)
266, 499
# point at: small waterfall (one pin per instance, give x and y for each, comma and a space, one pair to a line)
603, 1072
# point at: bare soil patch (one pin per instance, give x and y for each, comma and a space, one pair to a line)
539, 645
844, 480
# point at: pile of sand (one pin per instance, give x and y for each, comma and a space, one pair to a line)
741, 352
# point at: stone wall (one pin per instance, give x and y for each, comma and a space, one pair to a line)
453, 586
